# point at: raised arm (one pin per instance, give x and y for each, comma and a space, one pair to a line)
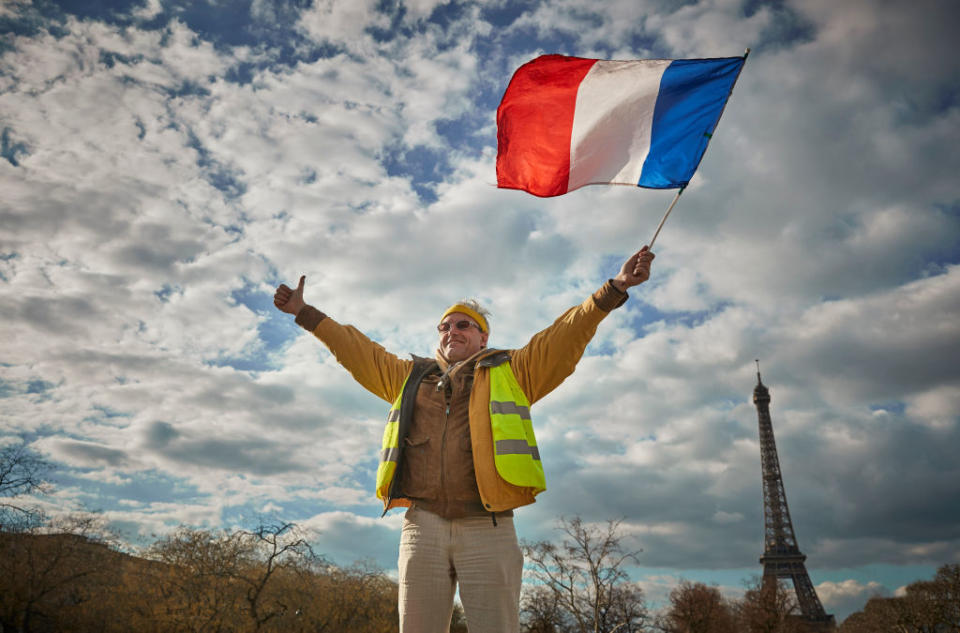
376, 369
552, 354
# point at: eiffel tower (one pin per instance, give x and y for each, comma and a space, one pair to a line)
781, 557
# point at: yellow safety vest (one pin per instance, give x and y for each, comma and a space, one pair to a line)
515, 446
390, 447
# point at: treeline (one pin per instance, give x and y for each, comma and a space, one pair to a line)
70, 576
927, 606
66, 578
579, 585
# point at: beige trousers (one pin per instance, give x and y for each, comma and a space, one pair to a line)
436, 554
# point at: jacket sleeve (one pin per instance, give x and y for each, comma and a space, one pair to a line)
552, 354
377, 370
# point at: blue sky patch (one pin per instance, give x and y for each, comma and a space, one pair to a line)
423, 166
503, 15
10, 149
222, 177
146, 487
446, 15
786, 28
275, 331
37, 386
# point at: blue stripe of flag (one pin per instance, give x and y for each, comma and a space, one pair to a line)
692, 95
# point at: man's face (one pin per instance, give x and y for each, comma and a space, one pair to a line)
459, 342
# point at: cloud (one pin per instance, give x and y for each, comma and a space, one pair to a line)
88, 454
845, 597
336, 534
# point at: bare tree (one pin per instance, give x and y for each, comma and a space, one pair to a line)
267, 580
276, 548
626, 611
22, 472
359, 599
586, 577
935, 604
880, 615
69, 577
458, 621
48, 571
697, 608
927, 606
193, 587
540, 611
769, 608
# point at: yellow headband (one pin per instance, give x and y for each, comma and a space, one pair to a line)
476, 316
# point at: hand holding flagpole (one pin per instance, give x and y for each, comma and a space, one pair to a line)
635, 270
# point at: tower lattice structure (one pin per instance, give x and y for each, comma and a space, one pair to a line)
781, 556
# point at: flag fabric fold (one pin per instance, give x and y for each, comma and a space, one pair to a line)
565, 122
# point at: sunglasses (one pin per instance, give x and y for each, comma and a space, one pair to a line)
460, 325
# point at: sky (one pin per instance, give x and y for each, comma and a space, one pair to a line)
164, 165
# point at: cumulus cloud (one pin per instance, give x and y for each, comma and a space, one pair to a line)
848, 596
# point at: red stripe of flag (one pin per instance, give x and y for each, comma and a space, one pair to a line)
534, 122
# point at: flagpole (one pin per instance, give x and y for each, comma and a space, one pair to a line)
664, 218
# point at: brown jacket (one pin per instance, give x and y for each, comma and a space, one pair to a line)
437, 471
444, 451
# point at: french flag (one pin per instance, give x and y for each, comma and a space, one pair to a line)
565, 122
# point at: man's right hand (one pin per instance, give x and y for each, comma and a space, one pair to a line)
290, 301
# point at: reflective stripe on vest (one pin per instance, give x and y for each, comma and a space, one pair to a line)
515, 446
390, 447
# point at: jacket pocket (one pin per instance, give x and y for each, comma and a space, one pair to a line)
416, 441
421, 468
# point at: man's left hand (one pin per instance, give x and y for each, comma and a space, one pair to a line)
635, 270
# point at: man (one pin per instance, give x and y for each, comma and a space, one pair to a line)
459, 450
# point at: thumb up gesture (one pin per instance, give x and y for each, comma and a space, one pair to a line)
290, 301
